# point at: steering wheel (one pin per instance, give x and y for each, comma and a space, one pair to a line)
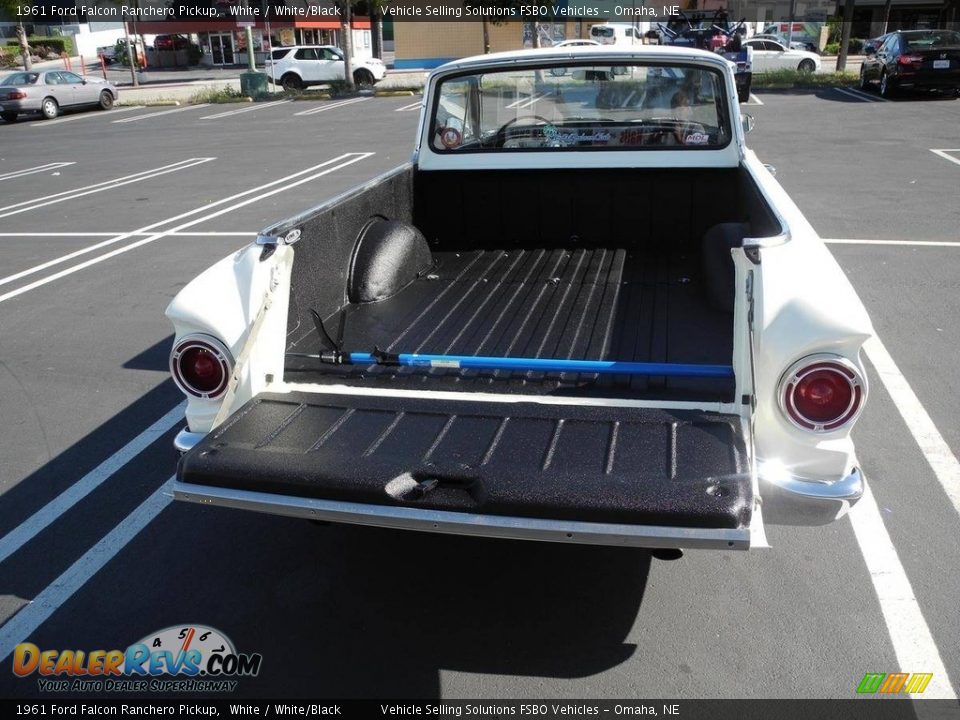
500, 137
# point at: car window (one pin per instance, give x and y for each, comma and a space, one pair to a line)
604, 32
890, 45
23, 78
53, 78
328, 54
70, 78
279, 54
306, 54
581, 106
932, 39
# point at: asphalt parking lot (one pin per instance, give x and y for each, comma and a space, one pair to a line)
105, 216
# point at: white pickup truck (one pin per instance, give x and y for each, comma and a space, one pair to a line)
584, 312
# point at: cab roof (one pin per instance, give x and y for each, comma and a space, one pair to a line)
611, 52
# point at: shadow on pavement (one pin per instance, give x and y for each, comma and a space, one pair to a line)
343, 611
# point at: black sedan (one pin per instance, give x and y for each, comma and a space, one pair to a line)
914, 60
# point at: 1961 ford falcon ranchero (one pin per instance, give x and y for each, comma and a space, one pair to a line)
584, 312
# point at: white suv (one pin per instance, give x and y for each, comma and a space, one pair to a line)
301, 65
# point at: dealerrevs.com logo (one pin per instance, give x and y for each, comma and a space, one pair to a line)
181, 658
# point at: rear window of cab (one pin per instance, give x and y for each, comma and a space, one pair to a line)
581, 107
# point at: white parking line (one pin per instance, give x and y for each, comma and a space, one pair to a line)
532, 101
284, 186
909, 633
907, 243
146, 229
88, 116
25, 623
861, 96
942, 152
935, 449
252, 108
754, 100
516, 103
162, 112
331, 106
411, 106
35, 203
526, 102
33, 170
42, 518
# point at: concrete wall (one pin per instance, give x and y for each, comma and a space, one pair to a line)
429, 44
87, 41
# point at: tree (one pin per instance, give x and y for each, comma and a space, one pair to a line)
346, 30
845, 36
10, 8
481, 5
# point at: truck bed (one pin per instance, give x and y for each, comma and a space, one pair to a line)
572, 303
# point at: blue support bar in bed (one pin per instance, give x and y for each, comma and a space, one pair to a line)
605, 367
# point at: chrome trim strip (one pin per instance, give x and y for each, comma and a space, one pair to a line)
186, 440
767, 242
849, 487
458, 523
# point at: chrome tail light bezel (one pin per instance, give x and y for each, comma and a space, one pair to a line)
215, 347
838, 364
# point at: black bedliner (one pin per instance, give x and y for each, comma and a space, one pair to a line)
601, 464
570, 303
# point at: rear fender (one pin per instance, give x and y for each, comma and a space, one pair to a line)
223, 301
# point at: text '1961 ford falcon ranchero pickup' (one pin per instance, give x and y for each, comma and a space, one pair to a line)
584, 312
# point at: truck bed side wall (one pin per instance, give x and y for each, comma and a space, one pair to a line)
328, 238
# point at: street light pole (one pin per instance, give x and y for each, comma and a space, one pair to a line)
251, 59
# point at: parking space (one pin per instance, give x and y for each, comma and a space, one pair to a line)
146, 198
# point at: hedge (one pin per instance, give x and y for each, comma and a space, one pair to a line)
57, 43
855, 47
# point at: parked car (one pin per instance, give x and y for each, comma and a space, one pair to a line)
109, 52
171, 42
616, 34
794, 45
805, 36
577, 42
562, 320
771, 55
50, 91
300, 66
915, 60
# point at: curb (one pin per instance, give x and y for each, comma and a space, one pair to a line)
151, 103
394, 93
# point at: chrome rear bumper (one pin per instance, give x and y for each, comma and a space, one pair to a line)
185, 440
790, 500
458, 523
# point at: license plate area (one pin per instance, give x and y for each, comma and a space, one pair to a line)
941, 64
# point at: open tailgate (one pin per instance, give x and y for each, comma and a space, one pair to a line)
640, 476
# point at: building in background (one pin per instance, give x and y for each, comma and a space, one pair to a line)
224, 43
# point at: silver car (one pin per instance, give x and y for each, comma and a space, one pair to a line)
49, 91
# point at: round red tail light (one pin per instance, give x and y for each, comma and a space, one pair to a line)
201, 366
822, 393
